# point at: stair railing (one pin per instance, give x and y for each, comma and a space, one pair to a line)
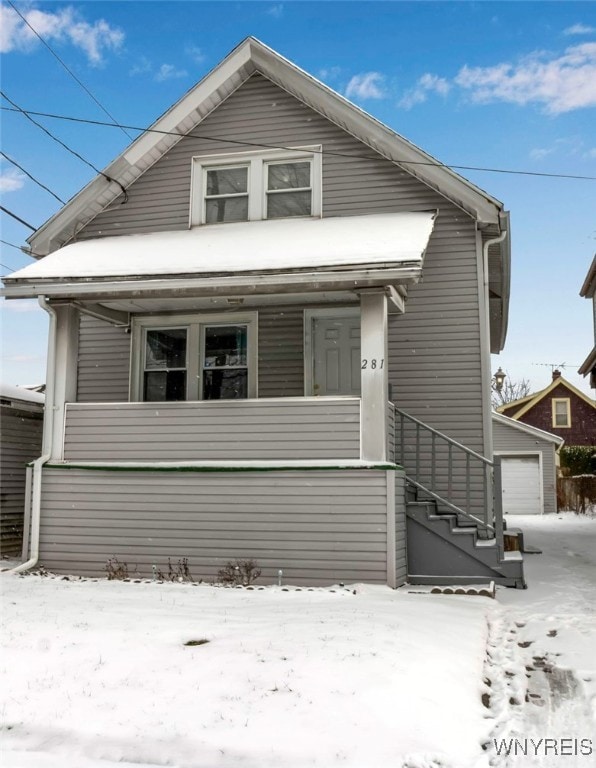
430, 459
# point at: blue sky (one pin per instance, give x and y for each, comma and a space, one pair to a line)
494, 85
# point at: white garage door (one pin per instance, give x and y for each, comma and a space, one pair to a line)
521, 485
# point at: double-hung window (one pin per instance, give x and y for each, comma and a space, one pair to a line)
561, 412
194, 357
256, 185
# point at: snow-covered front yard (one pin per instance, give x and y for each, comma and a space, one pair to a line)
97, 673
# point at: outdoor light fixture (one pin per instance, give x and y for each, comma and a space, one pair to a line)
500, 376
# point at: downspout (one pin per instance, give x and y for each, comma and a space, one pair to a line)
498, 505
48, 429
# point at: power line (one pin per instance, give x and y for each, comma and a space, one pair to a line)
43, 186
261, 145
18, 218
65, 146
20, 248
70, 72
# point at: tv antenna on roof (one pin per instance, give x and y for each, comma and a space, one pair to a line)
557, 366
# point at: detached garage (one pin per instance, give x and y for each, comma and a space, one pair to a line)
528, 459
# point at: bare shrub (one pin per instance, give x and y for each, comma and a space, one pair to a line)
178, 572
116, 570
239, 573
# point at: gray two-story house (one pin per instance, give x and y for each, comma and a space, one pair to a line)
271, 321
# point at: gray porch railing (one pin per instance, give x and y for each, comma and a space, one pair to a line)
431, 459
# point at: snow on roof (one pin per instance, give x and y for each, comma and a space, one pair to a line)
11, 392
256, 246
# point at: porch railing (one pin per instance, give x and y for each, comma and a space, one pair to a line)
432, 460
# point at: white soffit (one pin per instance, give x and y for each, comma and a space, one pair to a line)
281, 245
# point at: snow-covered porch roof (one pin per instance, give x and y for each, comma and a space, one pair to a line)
303, 254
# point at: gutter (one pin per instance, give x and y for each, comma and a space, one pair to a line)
48, 428
248, 284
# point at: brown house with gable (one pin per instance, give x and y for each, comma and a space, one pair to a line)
560, 408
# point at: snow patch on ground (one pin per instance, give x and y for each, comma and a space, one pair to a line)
97, 673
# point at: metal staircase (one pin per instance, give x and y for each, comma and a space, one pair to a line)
454, 512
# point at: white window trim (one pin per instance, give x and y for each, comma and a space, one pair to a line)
257, 163
195, 324
567, 401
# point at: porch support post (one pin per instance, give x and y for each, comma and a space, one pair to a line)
65, 377
374, 378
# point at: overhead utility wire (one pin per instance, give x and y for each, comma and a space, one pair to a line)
18, 218
39, 184
25, 251
70, 72
261, 145
65, 146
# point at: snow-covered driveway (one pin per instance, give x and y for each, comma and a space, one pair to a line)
544, 663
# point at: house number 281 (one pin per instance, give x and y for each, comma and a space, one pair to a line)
374, 363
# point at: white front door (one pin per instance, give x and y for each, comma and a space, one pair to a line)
521, 483
336, 355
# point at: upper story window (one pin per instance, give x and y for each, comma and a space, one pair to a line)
256, 185
561, 412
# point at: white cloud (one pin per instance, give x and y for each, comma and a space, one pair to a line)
541, 152
329, 73
579, 29
426, 84
561, 84
196, 54
368, 85
64, 25
275, 10
591, 153
169, 72
141, 67
11, 180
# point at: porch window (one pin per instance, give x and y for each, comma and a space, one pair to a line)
165, 364
256, 185
561, 412
225, 362
194, 357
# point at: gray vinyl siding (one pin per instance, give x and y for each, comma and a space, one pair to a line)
260, 112
320, 527
401, 559
434, 348
21, 443
218, 430
509, 441
281, 352
104, 362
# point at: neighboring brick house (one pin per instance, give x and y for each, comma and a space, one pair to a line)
560, 409
588, 291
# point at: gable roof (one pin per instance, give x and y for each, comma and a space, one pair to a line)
524, 404
246, 59
507, 421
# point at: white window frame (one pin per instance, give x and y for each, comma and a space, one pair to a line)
257, 163
194, 324
567, 402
